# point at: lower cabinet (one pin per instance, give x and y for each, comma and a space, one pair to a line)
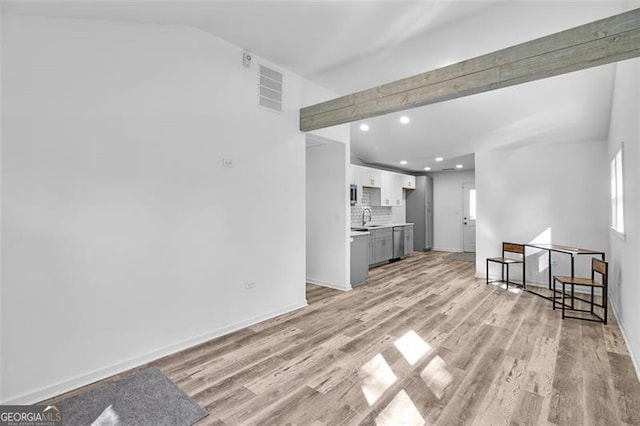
359, 259
372, 249
380, 245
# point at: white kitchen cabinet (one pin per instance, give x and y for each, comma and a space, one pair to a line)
374, 178
386, 189
408, 182
367, 176
355, 172
352, 175
357, 177
391, 189
396, 190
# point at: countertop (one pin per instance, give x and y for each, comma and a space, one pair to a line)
358, 233
364, 230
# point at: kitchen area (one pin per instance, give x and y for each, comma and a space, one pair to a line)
359, 216
391, 216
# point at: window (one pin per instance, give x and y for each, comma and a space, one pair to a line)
617, 200
472, 204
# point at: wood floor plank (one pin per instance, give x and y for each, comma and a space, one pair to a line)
503, 394
600, 405
465, 405
528, 409
539, 372
627, 388
566, 401
423, 341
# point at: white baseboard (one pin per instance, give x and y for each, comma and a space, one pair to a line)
335, 286
85, 379
448, 250
634, 358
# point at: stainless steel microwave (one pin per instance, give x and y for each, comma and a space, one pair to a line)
354, 194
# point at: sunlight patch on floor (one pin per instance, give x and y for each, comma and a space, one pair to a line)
502, 285
376, 377
412, 347
400, 411
436, 376
107, 417
512, 289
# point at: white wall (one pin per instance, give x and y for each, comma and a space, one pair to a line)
327, 213
123, 238
447, 208
625, 252
1, 127
544, 193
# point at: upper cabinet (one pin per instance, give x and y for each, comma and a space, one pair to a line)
352, 175
366, 176
390, 185
408, 182
391, 189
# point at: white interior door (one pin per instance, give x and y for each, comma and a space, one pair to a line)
469, 218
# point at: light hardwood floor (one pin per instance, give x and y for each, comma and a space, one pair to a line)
423, 342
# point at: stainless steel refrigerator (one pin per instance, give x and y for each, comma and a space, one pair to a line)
420, 213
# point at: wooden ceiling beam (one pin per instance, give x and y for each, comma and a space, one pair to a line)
597, 43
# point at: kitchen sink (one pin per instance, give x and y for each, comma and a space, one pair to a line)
366, 227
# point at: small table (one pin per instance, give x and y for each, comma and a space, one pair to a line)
573, 251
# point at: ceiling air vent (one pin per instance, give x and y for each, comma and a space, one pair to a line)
270, 89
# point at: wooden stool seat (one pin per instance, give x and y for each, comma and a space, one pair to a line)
578, 281
504, 260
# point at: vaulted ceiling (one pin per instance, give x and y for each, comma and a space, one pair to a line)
348, 46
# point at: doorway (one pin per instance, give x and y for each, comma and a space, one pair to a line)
469, 218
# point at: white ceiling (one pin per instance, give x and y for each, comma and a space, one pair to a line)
353, 45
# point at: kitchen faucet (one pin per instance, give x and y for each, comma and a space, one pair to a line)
366, 209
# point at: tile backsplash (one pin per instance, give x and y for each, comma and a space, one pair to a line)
379, 214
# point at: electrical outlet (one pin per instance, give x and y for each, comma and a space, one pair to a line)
227, 162
249, 285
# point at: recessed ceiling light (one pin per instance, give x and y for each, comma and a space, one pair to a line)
439, 158
404, 119
403, 162
427, 168
458, 166
364, 127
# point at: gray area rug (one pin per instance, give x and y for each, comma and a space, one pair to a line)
146, 398
462, 257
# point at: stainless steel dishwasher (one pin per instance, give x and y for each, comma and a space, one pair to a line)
398, 242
